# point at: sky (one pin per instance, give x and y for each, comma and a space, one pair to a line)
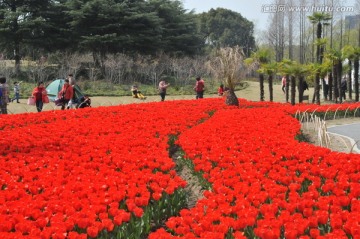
250, 9
256, 11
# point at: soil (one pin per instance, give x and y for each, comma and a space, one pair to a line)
193, 187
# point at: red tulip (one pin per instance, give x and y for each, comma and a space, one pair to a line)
92, 231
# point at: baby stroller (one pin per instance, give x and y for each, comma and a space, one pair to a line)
84, 102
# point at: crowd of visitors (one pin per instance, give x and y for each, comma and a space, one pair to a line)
67, 98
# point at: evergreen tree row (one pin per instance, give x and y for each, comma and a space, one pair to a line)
103, 27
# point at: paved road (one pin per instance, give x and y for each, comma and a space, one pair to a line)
351, 131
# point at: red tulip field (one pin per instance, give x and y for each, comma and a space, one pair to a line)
106, 173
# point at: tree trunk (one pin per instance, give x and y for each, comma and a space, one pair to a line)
356, 78
96, 59
17, 58
317, 88
318, 60
301, 90
262, 92
325, 87
14, 31
231, 98
287, 88
335, 83
350, 80
291, 22
270, 79
293, 89
339, 73
102, 62
330, 92
318, 48
316, 96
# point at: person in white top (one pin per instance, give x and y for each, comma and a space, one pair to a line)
325, 86
162, 89
283, 83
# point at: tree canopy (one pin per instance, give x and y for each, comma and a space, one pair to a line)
225, 28
99, 25
105, 27
21, 22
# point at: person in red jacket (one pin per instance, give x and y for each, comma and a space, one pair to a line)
199, 88
66, 94
39, 93
221, 90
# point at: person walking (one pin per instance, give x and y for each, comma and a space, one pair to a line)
40, 95
199, 88
16, 92
4, 94
325, 85
66, 94
283, 84
162, 89
72, 83
343, 88
305, 86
